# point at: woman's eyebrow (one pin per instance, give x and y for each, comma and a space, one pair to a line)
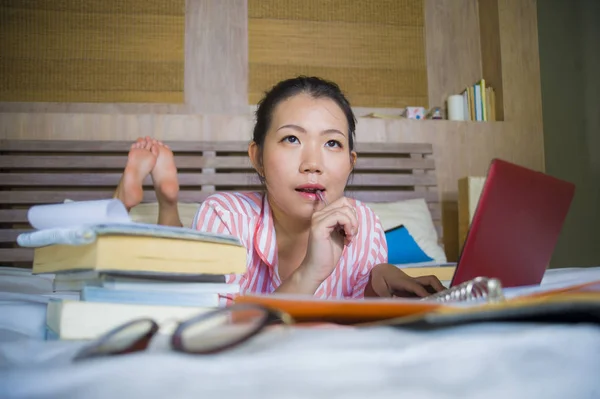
294, 127
334, 131
302, 130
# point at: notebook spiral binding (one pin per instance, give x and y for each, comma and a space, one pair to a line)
480, 288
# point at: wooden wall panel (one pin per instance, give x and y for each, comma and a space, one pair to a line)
452, 47
74, 51
216, 56
374, 50
215, 77
454, 55
520, 62
491, 52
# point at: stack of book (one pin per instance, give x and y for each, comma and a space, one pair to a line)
123, 270
479, 102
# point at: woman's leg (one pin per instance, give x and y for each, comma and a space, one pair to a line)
166, 187
141, 160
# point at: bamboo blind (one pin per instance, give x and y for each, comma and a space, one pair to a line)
375, 50
92, 51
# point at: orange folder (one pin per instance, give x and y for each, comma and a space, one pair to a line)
351, 311
346, 311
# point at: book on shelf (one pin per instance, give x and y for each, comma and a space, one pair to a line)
479, 102
100, 236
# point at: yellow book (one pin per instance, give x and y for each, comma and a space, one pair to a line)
142, 254
99, 236
471, 92
77, 320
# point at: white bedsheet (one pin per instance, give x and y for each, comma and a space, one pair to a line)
479, 361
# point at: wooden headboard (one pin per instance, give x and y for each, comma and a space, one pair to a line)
49, 171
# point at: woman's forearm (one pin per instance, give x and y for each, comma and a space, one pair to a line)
299, 282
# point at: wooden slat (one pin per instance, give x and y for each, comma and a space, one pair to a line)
394, 148
27, 162
112, 179
390, 179
363, 163
24, 162
194, 179
115, 146
391, 196
13, 215
9, 255
186, 196
69, 146
11, 234
49, 197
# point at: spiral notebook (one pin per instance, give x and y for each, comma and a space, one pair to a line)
479, 293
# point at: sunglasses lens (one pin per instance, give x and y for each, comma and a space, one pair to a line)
128, 338
221, 329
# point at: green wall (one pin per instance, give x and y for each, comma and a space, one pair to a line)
569, 45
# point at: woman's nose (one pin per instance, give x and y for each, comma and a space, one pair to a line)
311, 162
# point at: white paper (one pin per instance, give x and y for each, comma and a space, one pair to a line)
77, 213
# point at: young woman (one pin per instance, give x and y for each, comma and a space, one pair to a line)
302, 148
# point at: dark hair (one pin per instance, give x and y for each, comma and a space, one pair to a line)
313, 86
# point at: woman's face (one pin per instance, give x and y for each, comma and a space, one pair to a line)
306, 149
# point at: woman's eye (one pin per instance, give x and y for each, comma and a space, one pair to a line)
291, 139
333, 144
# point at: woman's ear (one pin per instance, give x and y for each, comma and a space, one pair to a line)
353, 157
254, 154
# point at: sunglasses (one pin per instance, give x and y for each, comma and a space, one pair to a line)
206, 333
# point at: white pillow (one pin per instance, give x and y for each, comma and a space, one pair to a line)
415, 216
148, 213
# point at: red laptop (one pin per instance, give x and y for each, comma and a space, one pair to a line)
515, 227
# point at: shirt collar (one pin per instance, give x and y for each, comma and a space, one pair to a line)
264, 235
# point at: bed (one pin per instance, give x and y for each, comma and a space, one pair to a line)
492, 360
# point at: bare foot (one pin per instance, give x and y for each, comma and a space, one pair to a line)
164, 176
141, 160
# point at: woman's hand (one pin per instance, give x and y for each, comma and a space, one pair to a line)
387, 280
332, 227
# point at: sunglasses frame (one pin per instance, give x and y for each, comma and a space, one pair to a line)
271, 316
138, 345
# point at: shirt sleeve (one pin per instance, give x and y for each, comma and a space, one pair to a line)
215, 215
375, 254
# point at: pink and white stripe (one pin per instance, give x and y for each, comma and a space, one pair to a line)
248, 217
